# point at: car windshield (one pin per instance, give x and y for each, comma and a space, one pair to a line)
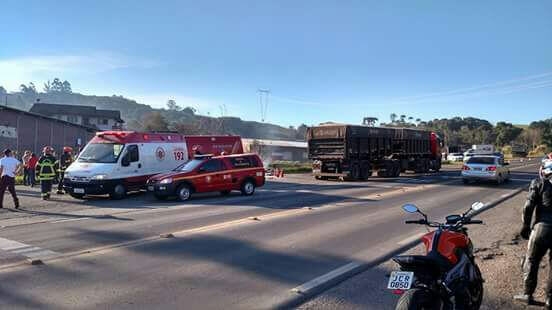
106, 153
482, 160
189, 166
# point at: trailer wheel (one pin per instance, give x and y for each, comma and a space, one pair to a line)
365, 172
355, 173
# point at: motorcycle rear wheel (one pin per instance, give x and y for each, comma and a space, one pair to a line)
417, 299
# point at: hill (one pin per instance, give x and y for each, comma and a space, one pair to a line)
140, 116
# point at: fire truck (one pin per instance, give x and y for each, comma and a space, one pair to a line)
354, 152
116, 162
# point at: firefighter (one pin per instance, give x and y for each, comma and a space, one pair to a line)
63, 163
46, 171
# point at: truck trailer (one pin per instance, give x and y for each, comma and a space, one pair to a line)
354, 152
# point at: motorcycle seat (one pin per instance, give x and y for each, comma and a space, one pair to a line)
423, 262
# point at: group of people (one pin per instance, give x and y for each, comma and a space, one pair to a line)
45, 170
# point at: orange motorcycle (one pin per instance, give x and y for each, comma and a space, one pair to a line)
446, 277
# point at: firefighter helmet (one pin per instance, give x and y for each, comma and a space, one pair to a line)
67, 149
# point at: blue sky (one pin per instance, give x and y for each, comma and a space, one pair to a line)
322, 60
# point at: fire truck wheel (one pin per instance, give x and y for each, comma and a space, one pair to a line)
119, 192
184, 192
248, 188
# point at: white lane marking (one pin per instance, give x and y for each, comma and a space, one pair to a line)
326, 277
70, 220
410, 239
26, 250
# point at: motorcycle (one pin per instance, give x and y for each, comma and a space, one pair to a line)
446, 277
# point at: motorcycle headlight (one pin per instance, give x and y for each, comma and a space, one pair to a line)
99, 177
166, 181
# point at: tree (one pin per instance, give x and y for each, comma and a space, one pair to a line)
410, 118
3, 91
47, 87
57, 85
190, 128
403, 117
189, 110
66, 87
154, 121
28, 90
172, 106
393, 117
506, 133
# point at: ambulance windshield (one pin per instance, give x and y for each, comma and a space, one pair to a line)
106, 153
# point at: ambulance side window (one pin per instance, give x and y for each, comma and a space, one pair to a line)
133, 154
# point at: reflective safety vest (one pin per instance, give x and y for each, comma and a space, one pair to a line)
46, 168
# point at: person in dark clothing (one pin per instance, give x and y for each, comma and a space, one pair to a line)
9, 168
46, 172
539, 202
64, 162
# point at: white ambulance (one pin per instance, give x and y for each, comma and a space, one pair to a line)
116, 162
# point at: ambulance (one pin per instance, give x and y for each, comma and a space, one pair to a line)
117, 162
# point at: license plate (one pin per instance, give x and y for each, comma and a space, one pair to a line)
78, 190
400, 280
150, 188
477, 169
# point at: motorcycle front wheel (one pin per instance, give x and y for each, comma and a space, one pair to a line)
418, 299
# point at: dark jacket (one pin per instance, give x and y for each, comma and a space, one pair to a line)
539, 200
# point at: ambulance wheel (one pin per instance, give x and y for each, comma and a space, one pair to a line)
248, 188
184, 192
119, 192
77, 196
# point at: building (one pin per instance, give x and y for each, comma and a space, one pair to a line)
82, 115
271, 150
22, 130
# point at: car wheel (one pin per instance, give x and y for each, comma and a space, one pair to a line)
184, 192
119, 192
225, 193
248, 188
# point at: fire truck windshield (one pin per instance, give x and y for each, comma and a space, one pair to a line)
189, 166
106, 153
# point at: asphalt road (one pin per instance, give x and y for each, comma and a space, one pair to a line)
225, 252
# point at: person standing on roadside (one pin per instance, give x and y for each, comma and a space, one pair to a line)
32, 169
539, 202
64, 162
46, 172
26, 174
9, 168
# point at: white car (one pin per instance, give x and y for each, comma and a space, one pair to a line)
485, 168
455, 157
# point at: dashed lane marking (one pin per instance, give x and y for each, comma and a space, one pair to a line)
26, 250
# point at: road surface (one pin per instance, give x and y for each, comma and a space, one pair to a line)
215, 252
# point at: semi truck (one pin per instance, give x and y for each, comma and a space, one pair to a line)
354, 152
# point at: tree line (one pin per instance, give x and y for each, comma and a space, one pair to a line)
463, 131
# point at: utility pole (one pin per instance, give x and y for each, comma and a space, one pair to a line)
263, 102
